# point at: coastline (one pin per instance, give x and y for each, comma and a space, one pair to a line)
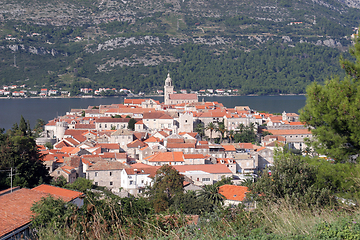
146, 96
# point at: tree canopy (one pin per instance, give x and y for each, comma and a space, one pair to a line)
332, 112
18, 151
293, 179
167, 183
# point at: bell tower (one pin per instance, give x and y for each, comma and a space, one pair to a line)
168, 89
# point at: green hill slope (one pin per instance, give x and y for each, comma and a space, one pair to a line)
259, 47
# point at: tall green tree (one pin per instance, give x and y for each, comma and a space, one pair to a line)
167, 183
221, 129
211, 127
131, 124
18, 151
332, 112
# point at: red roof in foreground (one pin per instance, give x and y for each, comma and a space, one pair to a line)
15, 207
232, 192
65, 194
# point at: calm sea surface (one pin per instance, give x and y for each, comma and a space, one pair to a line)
48, 108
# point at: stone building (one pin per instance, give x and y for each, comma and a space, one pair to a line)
173, 98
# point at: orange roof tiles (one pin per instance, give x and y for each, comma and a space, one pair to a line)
72, 141
156, 115
136, 144
108, 145
180, 96
246, 145
296, 123
66, 149
288, 131
233, 192
192, 156
180, 145
229, 147
166, 157
133, 101
15, 207
107, 165
152, 140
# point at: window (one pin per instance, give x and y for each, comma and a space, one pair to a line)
96, 183
110, 173
96, 174
58, 172
105, 125
111, 183
206, 179
131, 182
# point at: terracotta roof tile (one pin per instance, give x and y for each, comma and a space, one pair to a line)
180, 145
15, 207
192, 156
107, 165
179, 96
289, 131
136, 144
229, 147
233, 192
166, 157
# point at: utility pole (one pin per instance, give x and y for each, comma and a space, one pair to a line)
11, 179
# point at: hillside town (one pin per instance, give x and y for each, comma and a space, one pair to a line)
121, 146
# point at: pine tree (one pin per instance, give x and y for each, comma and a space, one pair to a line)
332, 112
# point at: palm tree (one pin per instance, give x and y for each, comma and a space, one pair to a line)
231, 135
211, 193
211, 126
241, 127
200, 129
221, 129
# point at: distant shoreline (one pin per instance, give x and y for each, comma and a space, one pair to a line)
147, 96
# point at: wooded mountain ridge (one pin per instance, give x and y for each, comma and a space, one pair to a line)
258, 47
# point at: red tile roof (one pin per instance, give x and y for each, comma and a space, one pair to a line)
233, 192
156, 115
107, 165
180, 145
166, 157
108, 145
180, 96
65, 194
289, 131
136, 144
133, 101
15, 207
229, 147
192, 156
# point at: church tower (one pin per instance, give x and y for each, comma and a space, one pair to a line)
168, 89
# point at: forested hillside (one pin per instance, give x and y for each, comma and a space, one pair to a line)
258, 47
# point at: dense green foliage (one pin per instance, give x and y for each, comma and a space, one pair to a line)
18, 151
332, 112
167, 184
292, 179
